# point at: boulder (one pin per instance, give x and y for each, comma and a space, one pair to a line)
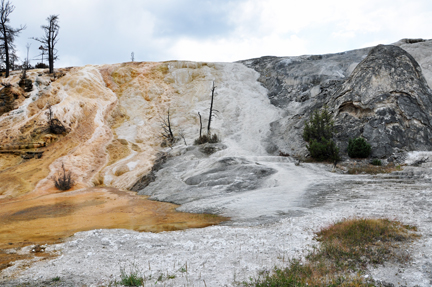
387, 101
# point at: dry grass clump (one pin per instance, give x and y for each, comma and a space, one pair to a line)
372, 169
354, 243
346, 248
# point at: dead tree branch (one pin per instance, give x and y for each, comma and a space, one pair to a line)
167, 133
211, 110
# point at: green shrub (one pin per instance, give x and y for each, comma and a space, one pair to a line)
318, 132
323, 150
376, 161
358, 148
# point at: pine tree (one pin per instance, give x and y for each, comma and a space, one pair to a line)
318, 132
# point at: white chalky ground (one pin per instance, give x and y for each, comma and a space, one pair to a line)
221, 255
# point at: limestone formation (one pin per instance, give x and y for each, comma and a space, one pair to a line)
379, 94
387, 101
298, 85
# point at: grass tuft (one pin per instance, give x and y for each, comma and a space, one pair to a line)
345, 250
372, 169
131, 278
354, 243
362, 231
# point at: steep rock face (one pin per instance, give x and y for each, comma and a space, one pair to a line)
385, 98
293, 81
298, 85
387, 101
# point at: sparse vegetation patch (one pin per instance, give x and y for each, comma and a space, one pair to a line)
206, 139
346, 249
56, 279
131, 279
372, 169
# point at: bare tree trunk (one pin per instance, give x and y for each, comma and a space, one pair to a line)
49, 40
167, 133
50, 59
169, 127
6, 50
211, 110
200, 125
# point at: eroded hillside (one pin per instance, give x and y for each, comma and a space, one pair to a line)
113, 115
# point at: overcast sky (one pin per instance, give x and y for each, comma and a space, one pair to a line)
107, 31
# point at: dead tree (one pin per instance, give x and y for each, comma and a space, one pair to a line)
64, 181
7, 35
208, 138
55, 125
200, 125
211, 110
24, 82
49, 113
49, 40
182, 135
167, 133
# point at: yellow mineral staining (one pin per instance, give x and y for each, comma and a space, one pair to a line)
143, 98
112, 114
121, 169
58, 215
117, 150
117, 117
55, 216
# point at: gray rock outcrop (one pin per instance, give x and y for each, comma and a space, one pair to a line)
378, 93
298, 85
387, 101
222, 176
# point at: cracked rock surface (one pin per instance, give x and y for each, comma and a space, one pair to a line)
377, 93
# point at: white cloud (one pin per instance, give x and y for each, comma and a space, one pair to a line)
105, 31
227, 50
333, 25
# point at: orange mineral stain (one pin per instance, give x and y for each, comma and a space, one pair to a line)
111, 115
50, 218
